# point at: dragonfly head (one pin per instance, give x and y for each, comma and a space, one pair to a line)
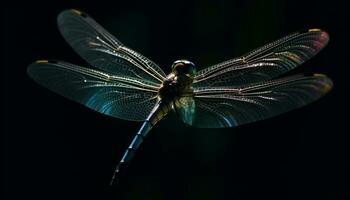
184, 67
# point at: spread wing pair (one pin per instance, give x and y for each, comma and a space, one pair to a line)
228, 94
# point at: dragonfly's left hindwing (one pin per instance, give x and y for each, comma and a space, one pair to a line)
120, 97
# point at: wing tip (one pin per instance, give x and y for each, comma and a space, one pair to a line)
38, 63
35, 64
322, 37
78, 12
72, 11
323, 33
41, 61
327, 82
314, 30
319, 75
46, 62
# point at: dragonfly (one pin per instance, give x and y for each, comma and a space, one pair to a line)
124, 84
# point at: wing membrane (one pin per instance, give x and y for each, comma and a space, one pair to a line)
125, 98
219, 107
265, 62
103, 50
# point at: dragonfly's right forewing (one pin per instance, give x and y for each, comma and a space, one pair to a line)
266, 62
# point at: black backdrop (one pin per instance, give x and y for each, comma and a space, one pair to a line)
58, 149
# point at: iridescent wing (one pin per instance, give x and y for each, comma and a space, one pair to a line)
218, 107
122, 97
103, 50
265, 62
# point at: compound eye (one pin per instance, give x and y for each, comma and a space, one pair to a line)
179, 65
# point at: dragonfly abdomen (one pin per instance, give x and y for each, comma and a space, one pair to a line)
137, 141
159, 111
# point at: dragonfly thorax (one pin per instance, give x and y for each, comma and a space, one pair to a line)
179, 82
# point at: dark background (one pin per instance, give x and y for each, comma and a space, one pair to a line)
57, 149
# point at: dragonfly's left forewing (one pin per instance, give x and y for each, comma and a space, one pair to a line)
102, 50
218, 107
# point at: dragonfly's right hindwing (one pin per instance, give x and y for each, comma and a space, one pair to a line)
219, 107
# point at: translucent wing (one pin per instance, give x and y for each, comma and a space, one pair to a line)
265, 62
219, 107
103, 50
125, 98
